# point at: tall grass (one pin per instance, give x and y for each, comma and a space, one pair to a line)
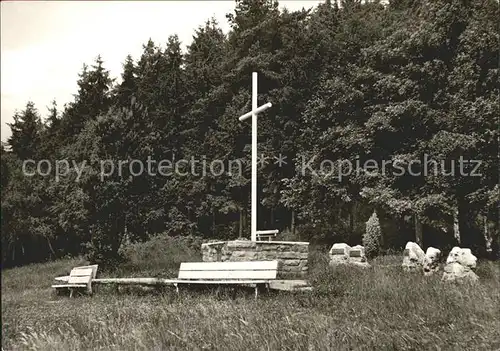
381, 308
158, 257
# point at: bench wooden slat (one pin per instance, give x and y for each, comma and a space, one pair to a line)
93, 267
79, 280
228, 282
229, 266
80, 272
69, 286
80, 276
249, 270
221, 275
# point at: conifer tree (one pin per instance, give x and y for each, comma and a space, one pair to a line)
26, 130
93, 98
51, 135
128, 86
373, 236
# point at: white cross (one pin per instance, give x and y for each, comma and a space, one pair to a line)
253, 114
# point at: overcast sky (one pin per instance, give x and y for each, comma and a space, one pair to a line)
44, 44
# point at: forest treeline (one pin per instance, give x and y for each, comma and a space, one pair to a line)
399, 81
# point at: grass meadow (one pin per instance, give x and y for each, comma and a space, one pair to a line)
381, 308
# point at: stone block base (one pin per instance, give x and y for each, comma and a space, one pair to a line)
292, 256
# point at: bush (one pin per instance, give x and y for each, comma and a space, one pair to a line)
161, 255
372, 236
324, 234
103, 248
288, 235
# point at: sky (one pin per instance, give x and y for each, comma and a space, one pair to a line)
44, 44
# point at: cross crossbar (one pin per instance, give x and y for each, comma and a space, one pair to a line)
258, 110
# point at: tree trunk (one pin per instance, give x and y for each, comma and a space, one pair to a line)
240, 229
292, 225
213, 224
352, 217
418, 231
488, 238
125, 239
244, 230
470, 236
50, 247
116, 240
456, 226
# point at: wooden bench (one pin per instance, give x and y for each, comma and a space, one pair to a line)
65, 278
268, 234
250, 273
80, 278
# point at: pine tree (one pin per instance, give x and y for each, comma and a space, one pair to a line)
93, 98
204, 61
128, 86
4, 168
53, 119
51, 134
26, 130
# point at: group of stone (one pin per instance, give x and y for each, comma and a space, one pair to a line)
459, 264
342, 253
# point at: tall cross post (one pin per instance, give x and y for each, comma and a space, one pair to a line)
253, 113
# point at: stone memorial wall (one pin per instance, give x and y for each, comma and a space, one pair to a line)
292, 255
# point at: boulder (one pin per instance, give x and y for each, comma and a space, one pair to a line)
462, 256
459, 266
357, 256
413, 257
339, 254
431, 260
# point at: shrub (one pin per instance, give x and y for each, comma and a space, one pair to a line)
161, 255
372, 236
325, 234
103, 248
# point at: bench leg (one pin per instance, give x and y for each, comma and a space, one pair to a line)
176, 288
70, 292
256, 291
